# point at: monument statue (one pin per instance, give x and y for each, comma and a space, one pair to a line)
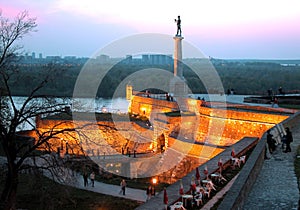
178, 21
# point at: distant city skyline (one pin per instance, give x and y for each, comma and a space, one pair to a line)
221, 29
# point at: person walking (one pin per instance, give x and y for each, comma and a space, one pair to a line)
270, 142
289, 139
85, 178
92, 177
123, 187
149, 192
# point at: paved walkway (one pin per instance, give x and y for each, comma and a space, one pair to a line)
114, 190
76, 180
276, 186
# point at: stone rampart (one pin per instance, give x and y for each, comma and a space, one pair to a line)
238, 193
173, 190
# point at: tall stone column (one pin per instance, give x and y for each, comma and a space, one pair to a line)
178, 68
178, 86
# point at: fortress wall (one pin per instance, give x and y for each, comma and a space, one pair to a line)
216, 126
242, 115
157, 202
238, 193
146, 106
219, 131
211, 126
101, 137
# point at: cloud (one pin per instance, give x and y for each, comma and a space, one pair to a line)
205, 23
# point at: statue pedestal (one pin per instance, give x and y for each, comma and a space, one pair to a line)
178, 87
178, 67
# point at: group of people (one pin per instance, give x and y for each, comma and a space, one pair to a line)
150, 192
280, 91
286, 141
86, 176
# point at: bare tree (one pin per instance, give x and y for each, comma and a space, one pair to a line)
15, 115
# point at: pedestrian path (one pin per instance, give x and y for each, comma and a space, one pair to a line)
109, 189
276, 186
76, 180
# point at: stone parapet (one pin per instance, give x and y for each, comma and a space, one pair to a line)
173, 190
238, 193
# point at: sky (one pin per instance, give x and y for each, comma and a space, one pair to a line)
231, 29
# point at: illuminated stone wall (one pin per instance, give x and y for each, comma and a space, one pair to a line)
196, 124
148, 106
94, 139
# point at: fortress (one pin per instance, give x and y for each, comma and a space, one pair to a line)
194, 135
162, 135
174, 133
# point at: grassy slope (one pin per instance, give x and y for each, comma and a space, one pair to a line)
42, 193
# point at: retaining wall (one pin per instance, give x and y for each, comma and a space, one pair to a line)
239, 191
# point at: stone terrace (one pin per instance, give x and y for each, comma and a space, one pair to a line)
173, 191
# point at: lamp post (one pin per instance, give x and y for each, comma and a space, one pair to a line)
154, 182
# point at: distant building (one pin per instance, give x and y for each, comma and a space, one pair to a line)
70, 58
54, 58
145, 59
128, 59
103, 58
150, 59
161, 59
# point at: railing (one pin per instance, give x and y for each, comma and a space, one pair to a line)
154, 96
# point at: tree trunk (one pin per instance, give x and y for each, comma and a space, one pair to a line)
9, 194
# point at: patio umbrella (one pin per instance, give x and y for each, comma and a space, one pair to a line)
166, 200
220, 165
206, 172
193, 184
232, 153
198, 175
181, 192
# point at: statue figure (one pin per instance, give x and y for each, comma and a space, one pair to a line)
178, 21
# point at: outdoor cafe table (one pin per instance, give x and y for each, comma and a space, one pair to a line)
215, 176
204, 181
186, 197
177, 205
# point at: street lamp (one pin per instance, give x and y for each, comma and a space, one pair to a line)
154, 182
